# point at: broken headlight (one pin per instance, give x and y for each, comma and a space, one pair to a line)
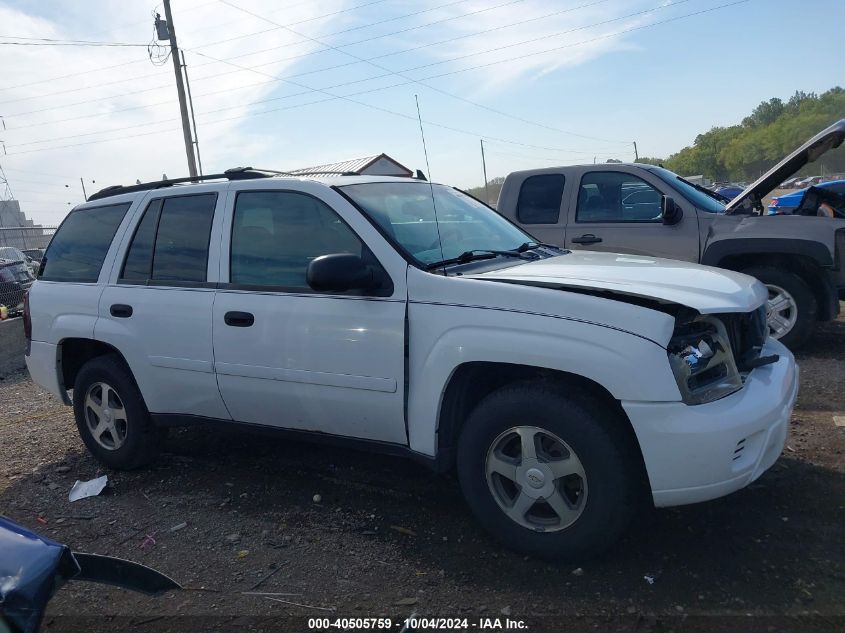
702, 360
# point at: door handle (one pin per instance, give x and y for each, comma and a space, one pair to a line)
121, 311
587, 238
239, 319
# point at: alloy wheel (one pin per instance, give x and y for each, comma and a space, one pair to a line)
105, 416
781, 311
536, 479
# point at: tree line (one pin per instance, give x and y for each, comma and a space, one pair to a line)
770, 132
744, 152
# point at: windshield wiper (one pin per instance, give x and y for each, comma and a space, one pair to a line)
475, 255
527, 246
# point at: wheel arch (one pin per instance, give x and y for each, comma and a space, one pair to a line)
73, 353
804, 266
472, 381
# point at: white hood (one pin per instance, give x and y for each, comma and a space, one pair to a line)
703, 288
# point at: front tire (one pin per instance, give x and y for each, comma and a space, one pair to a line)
549, 473
111, 416
791, 311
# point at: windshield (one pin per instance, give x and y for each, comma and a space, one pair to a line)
454, 224
700, 199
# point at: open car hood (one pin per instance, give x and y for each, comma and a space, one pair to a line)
824, 141
708, 290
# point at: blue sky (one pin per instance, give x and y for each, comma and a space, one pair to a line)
282, 85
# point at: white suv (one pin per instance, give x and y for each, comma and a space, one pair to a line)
407, 317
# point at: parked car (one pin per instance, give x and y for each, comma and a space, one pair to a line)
729, 191
808, 182
407, 317
16, 263
34, 256
789, 183
789, 202
11, 291
800, 259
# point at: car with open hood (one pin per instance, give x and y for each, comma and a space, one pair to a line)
799, 257
403, 316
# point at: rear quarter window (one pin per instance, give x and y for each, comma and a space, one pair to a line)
171, 241
78, 248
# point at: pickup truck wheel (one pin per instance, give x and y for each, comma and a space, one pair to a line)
791, 309
111, 416
548, 473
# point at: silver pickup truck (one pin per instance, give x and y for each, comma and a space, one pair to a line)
647, 210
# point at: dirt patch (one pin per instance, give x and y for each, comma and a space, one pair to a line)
389, 537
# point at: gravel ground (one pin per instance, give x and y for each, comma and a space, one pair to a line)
388, 537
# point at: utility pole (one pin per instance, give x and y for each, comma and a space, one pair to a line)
170, 31
484, 167
636, 156
84, 194
193, 118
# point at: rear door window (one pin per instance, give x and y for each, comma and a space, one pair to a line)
540, 199
78, 248
171, 241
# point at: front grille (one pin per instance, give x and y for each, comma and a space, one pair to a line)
747, 331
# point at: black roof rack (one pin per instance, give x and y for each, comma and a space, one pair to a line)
236, 173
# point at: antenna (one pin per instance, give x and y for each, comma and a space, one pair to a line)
422, 134
430, 186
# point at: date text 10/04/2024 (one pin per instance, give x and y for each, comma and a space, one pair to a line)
417, 624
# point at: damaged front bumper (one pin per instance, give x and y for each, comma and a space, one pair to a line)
697, 453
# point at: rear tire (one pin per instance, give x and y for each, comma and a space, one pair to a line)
791, 326
569, 433
111, 416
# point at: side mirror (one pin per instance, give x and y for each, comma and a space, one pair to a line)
340, 272
670, 212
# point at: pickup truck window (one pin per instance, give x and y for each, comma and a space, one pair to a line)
540, 198
434, 222
78, 248
276, 234
612, 196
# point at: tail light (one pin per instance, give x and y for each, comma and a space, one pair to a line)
774, 202
27, 319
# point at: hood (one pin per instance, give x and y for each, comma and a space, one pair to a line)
824, 141
708, 290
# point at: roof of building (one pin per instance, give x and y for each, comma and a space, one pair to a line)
351, 166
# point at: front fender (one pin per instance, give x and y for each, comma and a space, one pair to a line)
628, 366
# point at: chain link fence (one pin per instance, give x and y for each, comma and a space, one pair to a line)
21, 250
26, 237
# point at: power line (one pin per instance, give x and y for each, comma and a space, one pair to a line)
49, 42
235, 88
332, 97
102, 68
36, 173
239, 69
208, 44
438, 90
217, 75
